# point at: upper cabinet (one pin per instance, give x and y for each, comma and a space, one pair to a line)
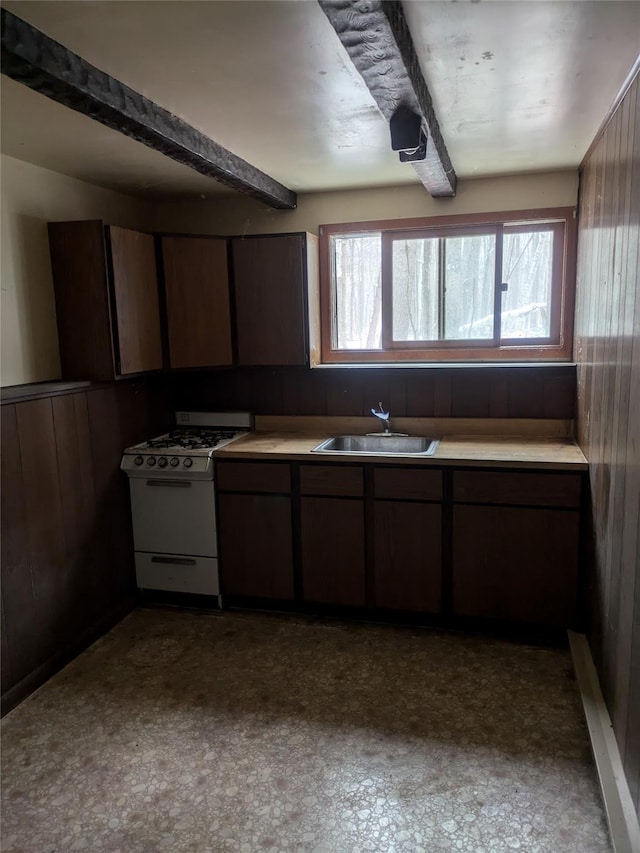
108, 311
106, 291
275, 286
197, 292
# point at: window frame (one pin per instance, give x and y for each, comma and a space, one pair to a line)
564, 222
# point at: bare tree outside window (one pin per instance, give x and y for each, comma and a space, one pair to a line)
358, 291
469, 285
415, 290
526, 304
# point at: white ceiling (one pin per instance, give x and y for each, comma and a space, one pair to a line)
518, 86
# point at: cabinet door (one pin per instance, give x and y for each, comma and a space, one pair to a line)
333, 549
197, 294
135, 287
407, 556
269, 280
82, 300
255, 544
515, 563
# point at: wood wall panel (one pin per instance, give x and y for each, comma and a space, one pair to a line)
519, 392
608, 412
67, 551
19, 613
77, 495
45, 529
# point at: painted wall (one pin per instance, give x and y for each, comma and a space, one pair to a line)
608, 354
240, 215
31, 197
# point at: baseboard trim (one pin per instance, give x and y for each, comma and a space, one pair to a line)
620, 811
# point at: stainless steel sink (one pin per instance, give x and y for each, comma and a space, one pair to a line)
379, 445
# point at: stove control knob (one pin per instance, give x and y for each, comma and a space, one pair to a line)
138, 460
174, 462
188, 462
151, 461
162, 462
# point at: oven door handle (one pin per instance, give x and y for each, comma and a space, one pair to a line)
174, 561
175, 484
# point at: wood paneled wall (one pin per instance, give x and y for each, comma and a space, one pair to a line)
67, 552
490, 392
608, 355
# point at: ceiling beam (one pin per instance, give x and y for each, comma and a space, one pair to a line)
42, 64
376, 36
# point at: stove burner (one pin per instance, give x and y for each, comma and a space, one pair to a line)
200, 439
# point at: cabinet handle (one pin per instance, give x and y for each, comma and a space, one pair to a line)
175, 484
174, 561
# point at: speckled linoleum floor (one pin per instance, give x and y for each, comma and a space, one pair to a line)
236, 732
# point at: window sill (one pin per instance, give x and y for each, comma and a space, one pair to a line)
449, 365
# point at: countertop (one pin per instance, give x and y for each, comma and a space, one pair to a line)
540, 445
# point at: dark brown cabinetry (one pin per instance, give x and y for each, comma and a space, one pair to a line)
407, 539
254, 529
520, 562
107, 309
275, 281
333, 562
459, 544
332, 535
197, 294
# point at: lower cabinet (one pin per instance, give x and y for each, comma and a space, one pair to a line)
516, 564
332, 534
407, 556
494, 545
333, 550
255, 537
407, 539
255, 545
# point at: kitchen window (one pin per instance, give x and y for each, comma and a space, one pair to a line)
494, 287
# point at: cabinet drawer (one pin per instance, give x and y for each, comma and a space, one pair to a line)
253, 477
486, 487
177, 573
331, 480
407, 484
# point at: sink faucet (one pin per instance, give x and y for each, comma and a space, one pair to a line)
384, 417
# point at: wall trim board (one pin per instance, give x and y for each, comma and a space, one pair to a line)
619, 808
35, 390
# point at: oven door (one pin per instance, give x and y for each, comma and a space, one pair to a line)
174, 516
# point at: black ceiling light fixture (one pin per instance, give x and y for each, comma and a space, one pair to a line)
407, 134
376, 37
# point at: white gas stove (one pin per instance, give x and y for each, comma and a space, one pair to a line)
171, 481
187, 450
